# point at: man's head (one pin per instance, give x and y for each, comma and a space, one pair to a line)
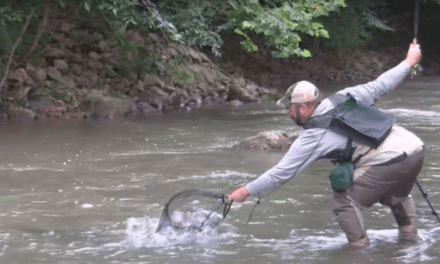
301, 99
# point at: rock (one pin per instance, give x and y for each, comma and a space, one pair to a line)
159, 66
99, 106
239, 81
54, 53
171, 51
37, 74
106, 90
66, 26
61, 65
152, 79
109, 71
94, 56
158, 91
146, 109
273, 140
235, 103
179, 48
179, 99
21, 76
153, 99
245, 96
79, 34
168, 108
21, 115
254, 89
222, 78
194, 54
94, 66
78, 58
221, 88
40, 75
102, 45
169, 89
122, 85
58, 37
196, 99
139, 85
94, 80
205, 58
77, 69
206, 73
155, 37
21, 93
56, 75
233, 92
135, 36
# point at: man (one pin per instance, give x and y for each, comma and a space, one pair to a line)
385, 173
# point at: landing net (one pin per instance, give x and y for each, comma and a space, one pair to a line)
194, 209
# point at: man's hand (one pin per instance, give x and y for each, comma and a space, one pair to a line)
414, 54
239, 195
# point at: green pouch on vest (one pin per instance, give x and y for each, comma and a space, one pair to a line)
341, 177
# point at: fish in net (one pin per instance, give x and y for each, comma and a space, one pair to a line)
194, 209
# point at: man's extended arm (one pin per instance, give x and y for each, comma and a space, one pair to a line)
304, 150
370, 92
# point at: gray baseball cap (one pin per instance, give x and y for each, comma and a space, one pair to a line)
300, 92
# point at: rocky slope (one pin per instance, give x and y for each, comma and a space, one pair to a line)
83, 74
87, 71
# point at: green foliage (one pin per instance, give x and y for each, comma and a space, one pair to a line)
248, 45
134, 57
11, 25
7, 15
198, 21
10, 21
180, 74
353, 26
133, 13
282, 24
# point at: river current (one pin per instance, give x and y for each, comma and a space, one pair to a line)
92, 191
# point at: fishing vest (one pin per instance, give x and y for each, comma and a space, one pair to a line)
357, 121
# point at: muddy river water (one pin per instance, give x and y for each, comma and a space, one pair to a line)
89, 191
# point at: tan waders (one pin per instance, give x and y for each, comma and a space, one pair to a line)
390, 184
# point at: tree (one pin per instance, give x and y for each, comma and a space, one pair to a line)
282, 23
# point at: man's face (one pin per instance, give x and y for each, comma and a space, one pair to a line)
300, 112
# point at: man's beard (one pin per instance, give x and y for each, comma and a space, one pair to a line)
297, 118
297, 121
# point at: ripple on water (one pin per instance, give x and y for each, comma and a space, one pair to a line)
220, 143
315, 245
30, 168
413, 112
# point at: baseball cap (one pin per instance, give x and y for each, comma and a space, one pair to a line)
299, 92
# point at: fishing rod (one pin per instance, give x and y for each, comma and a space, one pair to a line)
425, 195
417, 68
416, 20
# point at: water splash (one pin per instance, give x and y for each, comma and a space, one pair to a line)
141, 233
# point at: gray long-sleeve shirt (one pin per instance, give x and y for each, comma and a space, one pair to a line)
315, 143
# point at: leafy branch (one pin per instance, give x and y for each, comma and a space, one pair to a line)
15, 46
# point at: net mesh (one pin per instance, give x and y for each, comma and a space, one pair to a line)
194, 209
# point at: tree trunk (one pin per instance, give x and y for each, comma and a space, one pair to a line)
41, 28
2, 82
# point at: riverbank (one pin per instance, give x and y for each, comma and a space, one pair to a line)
87, 71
